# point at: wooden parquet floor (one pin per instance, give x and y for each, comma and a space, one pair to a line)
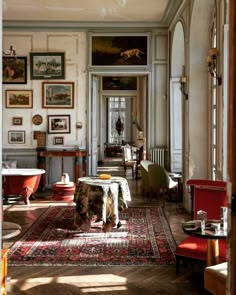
115, 280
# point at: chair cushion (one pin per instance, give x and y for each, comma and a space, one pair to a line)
130, 163
215, 278
195, 247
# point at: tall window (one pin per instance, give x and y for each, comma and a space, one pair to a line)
116, 109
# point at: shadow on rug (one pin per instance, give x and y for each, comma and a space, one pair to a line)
143, 239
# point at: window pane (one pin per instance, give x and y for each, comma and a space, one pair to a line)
116, 109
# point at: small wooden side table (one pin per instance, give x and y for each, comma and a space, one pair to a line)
210, 235
4, 271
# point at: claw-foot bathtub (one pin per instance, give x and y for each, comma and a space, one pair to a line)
21, 182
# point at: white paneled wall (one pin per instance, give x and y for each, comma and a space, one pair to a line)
74, 45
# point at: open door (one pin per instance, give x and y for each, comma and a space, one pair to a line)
92, 126
176, 126
176, 99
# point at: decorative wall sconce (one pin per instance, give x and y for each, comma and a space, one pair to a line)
183, 81
12, 52
212, 65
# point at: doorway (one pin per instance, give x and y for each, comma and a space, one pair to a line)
114, 100
118, 123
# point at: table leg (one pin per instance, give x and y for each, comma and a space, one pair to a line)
212, 252
179, 196
62, 165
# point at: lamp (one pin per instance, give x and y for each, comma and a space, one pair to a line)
183, 81
12, 52
212, 65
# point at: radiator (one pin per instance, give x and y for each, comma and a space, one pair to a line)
160, 156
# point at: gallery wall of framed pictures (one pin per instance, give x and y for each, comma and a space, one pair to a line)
49, 77
48, 67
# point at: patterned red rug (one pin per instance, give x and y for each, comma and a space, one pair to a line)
143, 239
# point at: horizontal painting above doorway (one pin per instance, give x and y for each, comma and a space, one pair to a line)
119, 50
119, 83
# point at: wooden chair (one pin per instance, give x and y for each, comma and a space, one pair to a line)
160, 182
207, 195
129, 159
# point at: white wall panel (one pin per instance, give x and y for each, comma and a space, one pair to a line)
74, 45
63, 42
21, 42
159, 113
161, 47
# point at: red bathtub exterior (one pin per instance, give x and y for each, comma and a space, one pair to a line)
24, 185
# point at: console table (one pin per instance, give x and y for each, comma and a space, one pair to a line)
79, 164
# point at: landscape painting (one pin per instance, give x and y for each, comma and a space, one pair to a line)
119, 83
119, 51
19, 99
14, 70
58, 95
47, 65
15, 136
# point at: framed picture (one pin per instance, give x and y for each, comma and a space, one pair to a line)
17, 121
14, 70
58, 124
16, 136
47, 65
58, 95
119, 83
59, 140
19, 99
119, 50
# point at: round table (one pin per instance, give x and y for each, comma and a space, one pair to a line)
10, 230
211, 234
103, 198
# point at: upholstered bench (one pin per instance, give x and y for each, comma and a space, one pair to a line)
63, 192
215, 277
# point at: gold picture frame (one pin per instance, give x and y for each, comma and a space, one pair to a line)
19, 99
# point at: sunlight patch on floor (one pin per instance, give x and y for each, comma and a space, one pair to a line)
114, 168
104, 289
102, 282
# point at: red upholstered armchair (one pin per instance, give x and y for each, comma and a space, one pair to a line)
207, 195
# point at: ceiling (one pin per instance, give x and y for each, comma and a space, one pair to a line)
87, 10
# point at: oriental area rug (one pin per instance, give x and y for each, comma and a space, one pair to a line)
143, 239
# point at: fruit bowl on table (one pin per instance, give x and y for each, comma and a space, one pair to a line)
104, 176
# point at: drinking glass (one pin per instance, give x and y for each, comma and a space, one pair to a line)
202, 216
224, 217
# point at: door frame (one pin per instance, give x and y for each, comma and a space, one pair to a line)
100, 73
